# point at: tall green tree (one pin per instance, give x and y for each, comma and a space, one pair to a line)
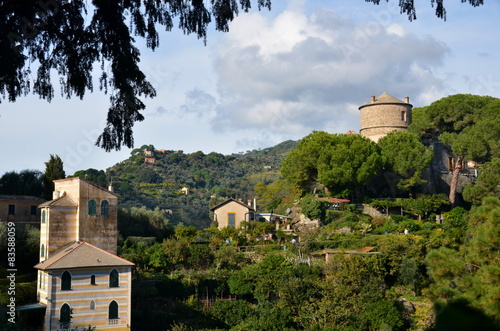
349, 164
70, 37
342, 163
300, 167
406, 156
25, 182
472, 272
468, 124
53, 170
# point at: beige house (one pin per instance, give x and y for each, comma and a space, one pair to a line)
79, 276
20, 209
84, 285
384, 114
232, 212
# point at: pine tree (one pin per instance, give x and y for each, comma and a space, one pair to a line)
53, 170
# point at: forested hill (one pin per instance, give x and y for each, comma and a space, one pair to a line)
159, 184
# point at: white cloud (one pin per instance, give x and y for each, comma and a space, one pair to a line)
396, 29
307, 72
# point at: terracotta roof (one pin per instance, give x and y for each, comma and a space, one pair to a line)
366, 249
81, 254
63, 201
384, 98
334, 200
231, 200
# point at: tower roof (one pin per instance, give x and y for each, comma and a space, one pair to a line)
81, 254
385, 98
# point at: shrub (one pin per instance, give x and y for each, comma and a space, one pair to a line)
232, 312
410, 225
382, 314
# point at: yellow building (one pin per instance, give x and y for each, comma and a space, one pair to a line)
80, 280
84, 285
20, 209
232, 212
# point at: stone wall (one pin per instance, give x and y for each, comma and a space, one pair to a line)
378, 120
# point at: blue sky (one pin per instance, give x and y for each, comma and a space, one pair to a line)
278, 75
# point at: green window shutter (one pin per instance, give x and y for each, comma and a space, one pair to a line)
105, 207
92, 207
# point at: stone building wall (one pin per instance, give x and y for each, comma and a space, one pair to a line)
384, 114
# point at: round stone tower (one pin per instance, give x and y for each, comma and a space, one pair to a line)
384, 114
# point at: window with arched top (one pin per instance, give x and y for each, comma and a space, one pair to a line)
43, 215
113, 310
65, 316
114, 278
42, 251
104, 207
92, 304
66, 281
92, 207
92, 280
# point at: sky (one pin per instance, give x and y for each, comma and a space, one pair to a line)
276, 75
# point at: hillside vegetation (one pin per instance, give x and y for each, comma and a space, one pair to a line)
397, 256
208, 178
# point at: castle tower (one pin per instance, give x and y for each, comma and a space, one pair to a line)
384, 114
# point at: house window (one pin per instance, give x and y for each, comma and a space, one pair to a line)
43, 215
92, 280
33, 210
42, 251
12, 209
92, 304
66, 281
451, 163
105, 207
114, 279
65, 316
403, 115
113, 310
231, 219
92, 207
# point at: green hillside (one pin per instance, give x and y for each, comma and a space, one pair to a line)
208, 178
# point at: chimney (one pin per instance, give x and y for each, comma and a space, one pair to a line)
407, 99
110, 188
373, 98
249, 203
55, 195
255, 204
